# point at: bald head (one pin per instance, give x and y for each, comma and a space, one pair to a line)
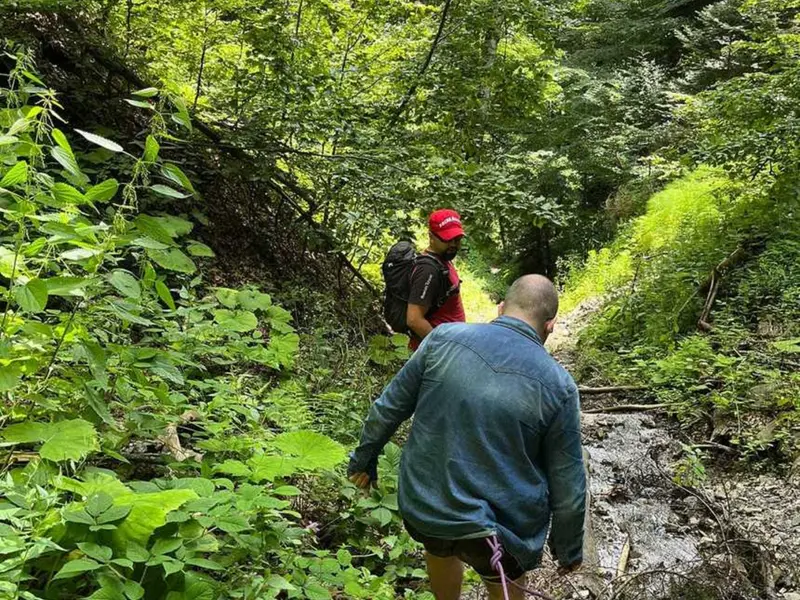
532, 298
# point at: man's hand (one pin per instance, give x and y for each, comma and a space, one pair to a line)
570, 568
360, 479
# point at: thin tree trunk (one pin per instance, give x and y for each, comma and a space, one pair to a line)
128, 16
401, 109
199, 84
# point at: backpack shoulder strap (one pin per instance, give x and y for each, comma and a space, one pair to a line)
447, 289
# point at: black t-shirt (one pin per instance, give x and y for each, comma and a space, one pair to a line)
425, 287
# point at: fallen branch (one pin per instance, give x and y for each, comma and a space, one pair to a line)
589, 391
622, 565
625, 408
712, 285
714, 446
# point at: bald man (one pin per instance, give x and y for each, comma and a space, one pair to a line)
494, 448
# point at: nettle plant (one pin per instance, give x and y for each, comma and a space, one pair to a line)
108, 341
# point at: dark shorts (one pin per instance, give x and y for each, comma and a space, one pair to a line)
475, 552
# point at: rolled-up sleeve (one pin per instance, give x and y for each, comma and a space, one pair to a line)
563, 462
395, 405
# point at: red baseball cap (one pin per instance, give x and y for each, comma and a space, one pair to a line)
445, 224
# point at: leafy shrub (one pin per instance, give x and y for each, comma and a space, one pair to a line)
110, 341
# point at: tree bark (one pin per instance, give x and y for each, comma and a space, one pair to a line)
404, 104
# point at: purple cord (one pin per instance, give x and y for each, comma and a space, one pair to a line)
496, 562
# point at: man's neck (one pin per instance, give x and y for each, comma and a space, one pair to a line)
539, 329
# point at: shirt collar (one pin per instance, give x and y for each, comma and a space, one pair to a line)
520, 326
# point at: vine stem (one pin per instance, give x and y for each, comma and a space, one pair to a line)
17, 251
61, 340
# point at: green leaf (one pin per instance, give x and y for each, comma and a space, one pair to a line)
103, 192
205, 564
67, 286
390, 502
98, 503
123, 312
165, 546
344, 557
123, 562
238, 320
10, 263
175, 175
76, 567
115, 513
268, 467
138, 103
60, 139
101, 141
315, 591
282, 350
176, 226
151, 149
148, 92
149, 275
163, 292
35, 246
383, 515
63, 440
227, 297
279, 319
173, 260
66, 194
32, 297
133, 590
78, 516
19, 125
276, 582
287, 490
313, 450
136, 552
5, 140
254, 300
194, 588
15, 175
198, 249
66, 160
126, 284
788, 346
153, 228
232, 523
9, 377
79, 254
98, 404
182, 116
148, 512
172, 566
99, 553
149, 243
165, 190
233, 467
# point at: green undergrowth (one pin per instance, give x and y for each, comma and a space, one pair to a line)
737, 383
161, 438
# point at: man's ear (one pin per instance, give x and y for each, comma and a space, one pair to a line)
550, 325
501, 308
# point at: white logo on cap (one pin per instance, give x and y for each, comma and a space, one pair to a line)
449, 220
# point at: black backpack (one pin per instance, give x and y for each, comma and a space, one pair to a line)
397, 268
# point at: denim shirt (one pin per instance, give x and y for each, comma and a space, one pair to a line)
495, 444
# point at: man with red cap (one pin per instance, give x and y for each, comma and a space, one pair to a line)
432, 300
